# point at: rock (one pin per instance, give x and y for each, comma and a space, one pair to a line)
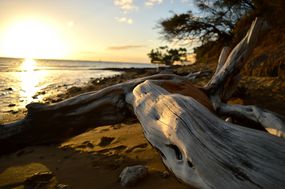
165, 174
42, 92
132, 174
11, 105
74, 90
23, 152
38, 179
61, 186
56, 100
13, 111
9, 89
35, 97
229, 120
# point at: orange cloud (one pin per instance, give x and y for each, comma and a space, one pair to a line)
125, 47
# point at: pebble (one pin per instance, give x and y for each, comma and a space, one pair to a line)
11, 105
132, 174
9, 89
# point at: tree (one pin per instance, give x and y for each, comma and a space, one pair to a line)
164, 55
215, 22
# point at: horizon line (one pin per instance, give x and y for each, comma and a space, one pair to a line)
81, 60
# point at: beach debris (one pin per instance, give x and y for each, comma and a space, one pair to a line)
132, 174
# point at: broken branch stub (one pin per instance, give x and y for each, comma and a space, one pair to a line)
220, 82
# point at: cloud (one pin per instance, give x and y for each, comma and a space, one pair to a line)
126, 5
151, 3
124, 20
125, 47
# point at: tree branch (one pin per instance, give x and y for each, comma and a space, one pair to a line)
235, 60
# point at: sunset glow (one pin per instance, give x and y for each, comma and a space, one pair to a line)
32, 39
116, 30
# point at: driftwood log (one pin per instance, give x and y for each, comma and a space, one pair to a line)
183, 122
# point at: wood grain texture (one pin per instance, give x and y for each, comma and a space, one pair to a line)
203, 150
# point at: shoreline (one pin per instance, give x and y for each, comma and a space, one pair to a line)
84, 161
251, 89
80, 162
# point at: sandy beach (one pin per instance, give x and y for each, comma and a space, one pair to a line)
95, 158
91, 160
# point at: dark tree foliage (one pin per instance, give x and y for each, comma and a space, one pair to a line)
271, 10
164, 55
215, 22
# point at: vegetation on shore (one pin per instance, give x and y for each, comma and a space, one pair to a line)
165, 55
222, 23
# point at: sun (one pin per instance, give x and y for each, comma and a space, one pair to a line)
33, 39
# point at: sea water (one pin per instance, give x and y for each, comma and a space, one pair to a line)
21, 79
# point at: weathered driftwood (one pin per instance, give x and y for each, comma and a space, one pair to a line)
202, 149
224, 80
49, 123
178, 119
272, 122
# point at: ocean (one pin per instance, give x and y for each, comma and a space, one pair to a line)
21, 80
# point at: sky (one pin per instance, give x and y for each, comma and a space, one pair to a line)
104, 30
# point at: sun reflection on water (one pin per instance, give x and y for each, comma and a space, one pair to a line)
28, 65
30, 79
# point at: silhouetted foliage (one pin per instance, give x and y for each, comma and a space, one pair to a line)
218, 23
164, 55
215, 22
